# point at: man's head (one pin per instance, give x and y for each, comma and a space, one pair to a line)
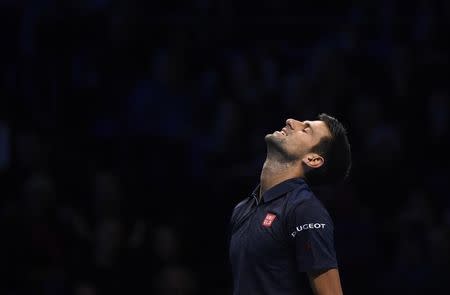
321, 147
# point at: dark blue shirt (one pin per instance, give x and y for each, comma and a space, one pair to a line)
275, 239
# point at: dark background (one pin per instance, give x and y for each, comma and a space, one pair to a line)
130, 129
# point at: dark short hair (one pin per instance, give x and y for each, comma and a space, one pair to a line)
336, 151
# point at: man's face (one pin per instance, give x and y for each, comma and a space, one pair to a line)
295, 140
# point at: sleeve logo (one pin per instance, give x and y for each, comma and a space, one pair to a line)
270, 217
307, 226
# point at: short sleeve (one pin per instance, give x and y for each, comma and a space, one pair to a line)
312, 233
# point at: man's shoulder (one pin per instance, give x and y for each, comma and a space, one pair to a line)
241, 203
302, 195
240, 206
304, 199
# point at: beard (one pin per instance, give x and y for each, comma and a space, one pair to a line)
277, 151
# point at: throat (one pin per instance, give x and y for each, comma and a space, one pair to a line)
274, 173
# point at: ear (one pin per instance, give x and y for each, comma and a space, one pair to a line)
313, 160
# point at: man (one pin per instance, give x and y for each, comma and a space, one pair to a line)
282, 229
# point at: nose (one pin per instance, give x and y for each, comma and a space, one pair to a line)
292, 122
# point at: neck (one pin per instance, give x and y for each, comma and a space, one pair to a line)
275, 172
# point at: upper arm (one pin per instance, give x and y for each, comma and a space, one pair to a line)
311, 231
325, 282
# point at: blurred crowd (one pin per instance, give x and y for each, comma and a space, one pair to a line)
130, 129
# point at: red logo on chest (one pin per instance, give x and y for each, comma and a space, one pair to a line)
270, 217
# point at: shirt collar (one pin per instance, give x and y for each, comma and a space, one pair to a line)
280, 189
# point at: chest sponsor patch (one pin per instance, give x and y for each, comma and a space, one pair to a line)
270, 217
268, 220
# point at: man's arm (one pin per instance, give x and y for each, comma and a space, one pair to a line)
326, 282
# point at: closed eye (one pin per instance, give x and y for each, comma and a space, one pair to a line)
307, 128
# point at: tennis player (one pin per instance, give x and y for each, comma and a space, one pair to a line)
282, 229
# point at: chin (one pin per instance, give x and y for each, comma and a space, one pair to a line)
271, 138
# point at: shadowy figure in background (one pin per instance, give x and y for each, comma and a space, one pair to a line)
37, 240
171, 274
